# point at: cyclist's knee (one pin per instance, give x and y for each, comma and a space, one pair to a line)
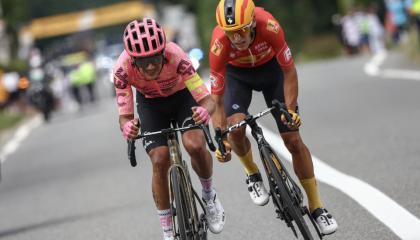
194, 145
160, 160
293, 142
237, 135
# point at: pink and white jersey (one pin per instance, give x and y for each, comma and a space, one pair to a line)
177, 74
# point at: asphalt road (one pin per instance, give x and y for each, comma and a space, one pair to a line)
70, 179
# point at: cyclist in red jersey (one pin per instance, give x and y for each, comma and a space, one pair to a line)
167, 87
249, 52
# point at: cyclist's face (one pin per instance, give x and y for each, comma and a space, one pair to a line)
241, 38
150, 67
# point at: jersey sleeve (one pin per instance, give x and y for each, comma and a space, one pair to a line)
124, 94
218, 60
275, 36
190, 77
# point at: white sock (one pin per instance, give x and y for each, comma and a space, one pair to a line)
165, 218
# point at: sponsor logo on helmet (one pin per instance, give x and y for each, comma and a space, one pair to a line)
273, 26
230, 20
217, 47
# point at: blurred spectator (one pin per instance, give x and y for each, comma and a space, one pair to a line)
414, 10
397, 18
362, 21
351, 34
83, 77
376, 31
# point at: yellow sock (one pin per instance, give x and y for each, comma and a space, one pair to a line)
248, 162
311, 189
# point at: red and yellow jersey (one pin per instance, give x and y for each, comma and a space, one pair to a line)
268, 42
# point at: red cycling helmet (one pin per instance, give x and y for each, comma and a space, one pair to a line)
144, 38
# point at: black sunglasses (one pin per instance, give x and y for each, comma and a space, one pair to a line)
145, 61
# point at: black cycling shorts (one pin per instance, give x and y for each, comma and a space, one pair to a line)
156, 114
240, 82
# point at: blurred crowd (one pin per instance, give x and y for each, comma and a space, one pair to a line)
367, 30
67, 83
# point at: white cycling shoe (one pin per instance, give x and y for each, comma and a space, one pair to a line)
215, 214
256, 189
168, 238
325, 221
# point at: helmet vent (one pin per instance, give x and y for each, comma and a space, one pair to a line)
160, 38
142, 30
138, 49
135, 36
229, 11
132, 26
154, 45
151, 32
145, 44
129, 45
125, 33
149, 22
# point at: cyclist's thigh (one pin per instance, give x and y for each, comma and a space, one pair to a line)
275, 90
184, 102
152, 119
238, 93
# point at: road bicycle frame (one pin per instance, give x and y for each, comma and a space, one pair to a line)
188, 225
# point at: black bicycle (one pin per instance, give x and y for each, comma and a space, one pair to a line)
286, 195
187, 223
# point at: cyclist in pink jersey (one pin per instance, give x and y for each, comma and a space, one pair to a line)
167, 87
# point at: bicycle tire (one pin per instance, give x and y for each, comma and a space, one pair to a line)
290, 206
183, 214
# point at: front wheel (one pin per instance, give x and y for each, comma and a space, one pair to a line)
184, 218
283, 191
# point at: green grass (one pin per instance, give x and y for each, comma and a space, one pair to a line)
8, 120
319, 47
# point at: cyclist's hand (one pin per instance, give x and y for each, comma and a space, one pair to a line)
200, 115
131, 128
296, 122
227, 156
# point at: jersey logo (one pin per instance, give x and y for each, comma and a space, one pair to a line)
122, 98
120, 79
217, 47
185, 68
287, 55
273, 26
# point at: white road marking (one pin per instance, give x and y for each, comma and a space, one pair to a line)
21, 133
373, 68
404, 224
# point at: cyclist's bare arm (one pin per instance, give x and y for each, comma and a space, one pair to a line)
123, 119
290, 87
209, 104
219, 116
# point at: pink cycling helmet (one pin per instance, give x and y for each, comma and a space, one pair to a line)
144, 38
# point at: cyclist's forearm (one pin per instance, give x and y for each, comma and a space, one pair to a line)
219, 116
124, 119
209, 104
291, 88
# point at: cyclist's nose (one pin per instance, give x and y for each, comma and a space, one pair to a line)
150, 66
